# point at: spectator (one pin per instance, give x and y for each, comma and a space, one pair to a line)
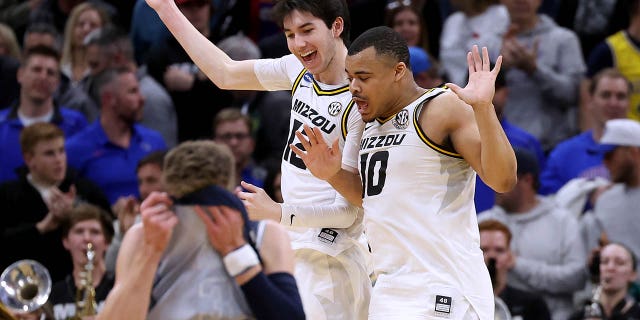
107, 151
424, 69
478, 22
196, 99
110, 47
548, 252
34, 206
495, 239
621, 52
545, 65
233, 129
8, 44
41, 34
617, 271
484, 197
39, 75
127, 209
579, 156
85, 224
8, 81
617, 208
15, 13
83, 19
162, 258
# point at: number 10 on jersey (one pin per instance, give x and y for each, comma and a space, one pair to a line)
373, 172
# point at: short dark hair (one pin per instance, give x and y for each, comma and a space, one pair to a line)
326, 10
231, 114
41, 50
385, 41
111, 39
156, 157
44, 28
86, 211
106, 77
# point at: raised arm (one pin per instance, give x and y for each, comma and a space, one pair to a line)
138, 259
222, 70
476, 132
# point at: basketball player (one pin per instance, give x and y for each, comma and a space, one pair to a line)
418, 154
331, 261
202, 258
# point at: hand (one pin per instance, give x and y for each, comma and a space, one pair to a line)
224, 227
59, 203
126, 209
176, 79
323, 161
259, 205
481, 86
157, 4
157, 221
519, 56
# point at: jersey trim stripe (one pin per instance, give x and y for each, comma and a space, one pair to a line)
438, 148
333, 92
345, 119
383, 120
297, 82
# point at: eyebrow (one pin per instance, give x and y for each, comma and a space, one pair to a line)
300, 26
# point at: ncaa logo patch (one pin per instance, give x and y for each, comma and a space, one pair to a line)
401, 120
335, 108
308, 77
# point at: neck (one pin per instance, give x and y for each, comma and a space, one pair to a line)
42, 182
526, 24
610, 300
634, 28
118, 132
598, 131
335, 74
527, 204
501, 284
411, 93
34, 108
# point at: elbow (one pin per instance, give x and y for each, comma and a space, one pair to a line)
505, 183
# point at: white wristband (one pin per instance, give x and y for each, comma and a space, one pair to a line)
240, 260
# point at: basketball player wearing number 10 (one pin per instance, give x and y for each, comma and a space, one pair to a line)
417, 158
332, 261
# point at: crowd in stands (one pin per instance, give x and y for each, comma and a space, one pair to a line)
93, 93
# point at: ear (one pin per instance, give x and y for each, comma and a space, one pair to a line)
65, 243
337, 27
27, 156
401, 71
19, 74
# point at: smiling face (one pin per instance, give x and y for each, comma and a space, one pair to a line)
610, 99
407, 23
371, 78
309, 39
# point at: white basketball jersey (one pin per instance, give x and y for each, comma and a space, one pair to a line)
420, 216
331, 109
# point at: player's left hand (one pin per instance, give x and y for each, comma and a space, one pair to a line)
481, 86
259, 205
224, 227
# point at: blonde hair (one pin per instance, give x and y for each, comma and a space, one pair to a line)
67, 47
193, 165
9, 37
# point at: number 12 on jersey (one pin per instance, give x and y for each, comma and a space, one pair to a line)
373, 172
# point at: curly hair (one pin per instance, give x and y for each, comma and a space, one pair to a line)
193, 165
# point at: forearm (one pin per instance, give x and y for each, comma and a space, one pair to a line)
348, 184
559, 87
498, 161
130, 297
340, 214
273, 296
544, 277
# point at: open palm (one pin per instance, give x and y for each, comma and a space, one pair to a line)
481, 86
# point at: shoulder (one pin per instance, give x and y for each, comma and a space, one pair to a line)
151, 136
571, 145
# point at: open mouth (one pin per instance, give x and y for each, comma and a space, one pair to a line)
309, 56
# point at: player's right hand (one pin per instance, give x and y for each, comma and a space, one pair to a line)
157, 220
258, 204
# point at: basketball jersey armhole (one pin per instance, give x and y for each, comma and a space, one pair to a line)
447, 151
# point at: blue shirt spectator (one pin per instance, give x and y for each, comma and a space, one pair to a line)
70, 121
485, 196
96, 158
